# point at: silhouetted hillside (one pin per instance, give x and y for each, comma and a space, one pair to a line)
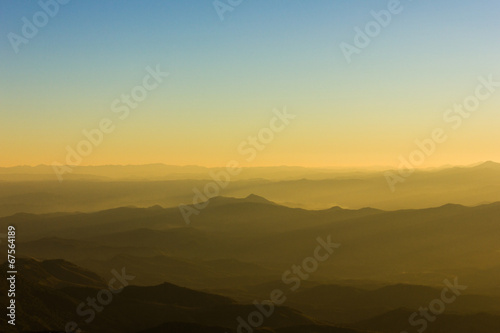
49, 306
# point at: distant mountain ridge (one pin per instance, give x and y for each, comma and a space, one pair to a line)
87, 192
159, 171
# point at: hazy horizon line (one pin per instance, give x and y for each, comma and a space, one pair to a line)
380, 167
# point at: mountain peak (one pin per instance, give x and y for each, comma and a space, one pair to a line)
252, 198
488, 165
156, 207
256, 198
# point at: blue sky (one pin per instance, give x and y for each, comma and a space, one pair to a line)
227, 76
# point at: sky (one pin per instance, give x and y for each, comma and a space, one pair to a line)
228, 77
